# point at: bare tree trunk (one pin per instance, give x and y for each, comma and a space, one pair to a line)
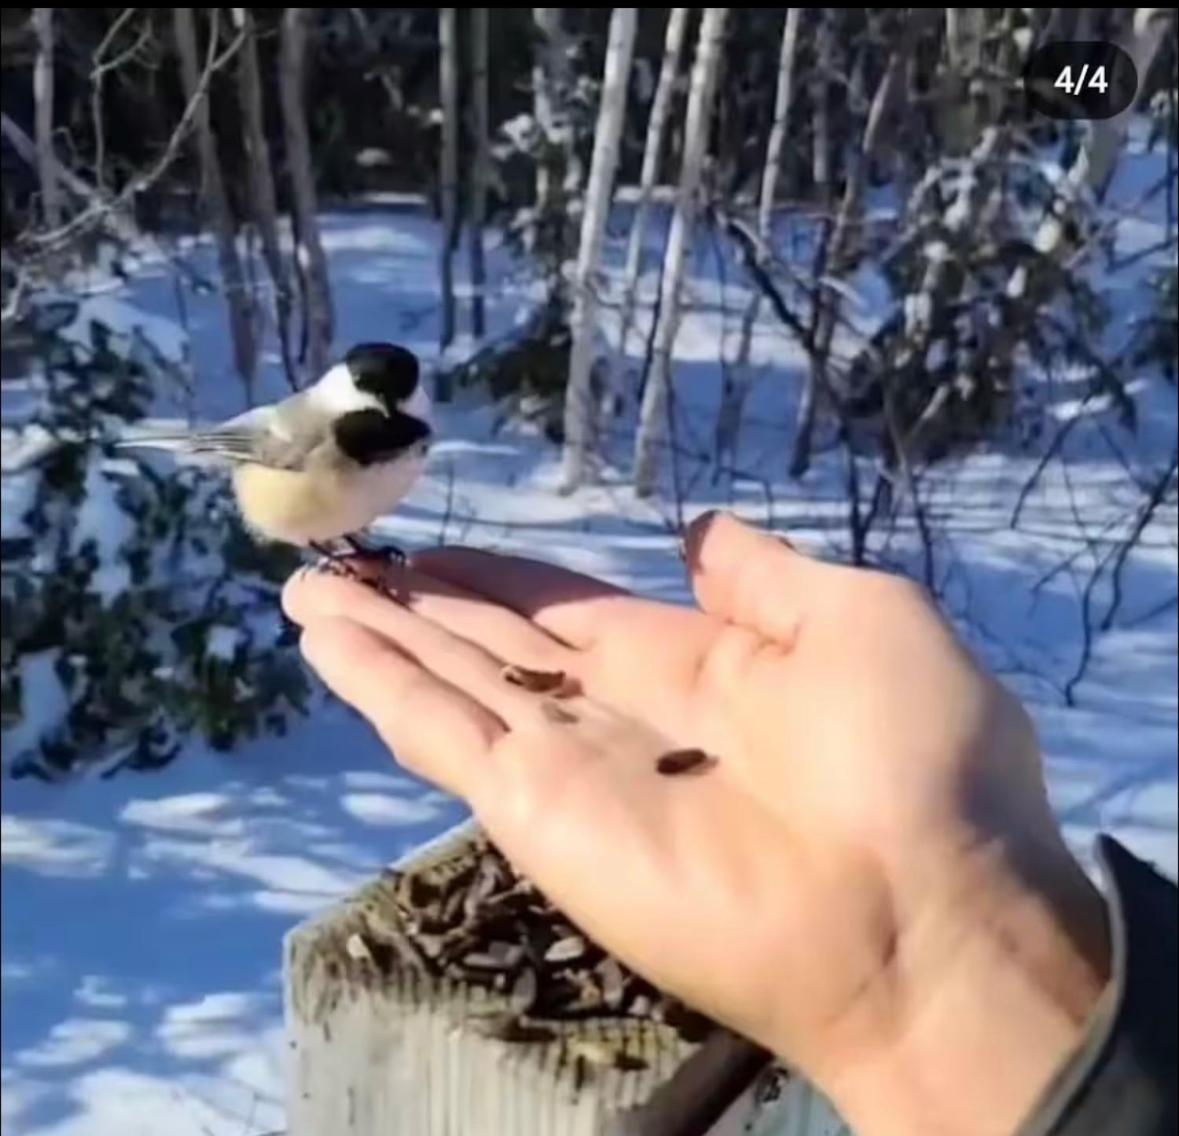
544, 107
1093, 167
558, 172
729, 417
652, 152
308, 248
579, 410
558, 70
479, 169
958, 107
816, 377
448, 178
43, 100
237, 298
887, 94
696, 131
122, 224
260, 177
1149, 30
821, 136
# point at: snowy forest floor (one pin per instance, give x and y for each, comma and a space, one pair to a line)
142, 915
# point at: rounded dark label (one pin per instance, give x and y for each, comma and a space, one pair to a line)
1080, 80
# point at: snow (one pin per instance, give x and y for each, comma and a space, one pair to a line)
76, 1041
142, 915
130, 325
141, 935
223, 642
44, 701
103, 522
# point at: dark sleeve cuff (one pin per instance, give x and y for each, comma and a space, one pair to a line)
1122, 1081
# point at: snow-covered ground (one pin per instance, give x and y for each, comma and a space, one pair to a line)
142, 915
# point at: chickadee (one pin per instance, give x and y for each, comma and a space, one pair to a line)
323, 464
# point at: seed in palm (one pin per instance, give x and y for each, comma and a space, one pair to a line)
681, 761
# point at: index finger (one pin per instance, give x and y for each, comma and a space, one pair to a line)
433, 728
577, 609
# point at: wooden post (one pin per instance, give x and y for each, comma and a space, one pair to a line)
448, 997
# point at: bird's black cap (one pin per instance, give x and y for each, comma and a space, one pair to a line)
385, 370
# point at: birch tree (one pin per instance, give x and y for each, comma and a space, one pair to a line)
728, 420
648, 178
696, 132
1094, 165
260, 183
558, 168
607, 138
544, 106
479, 167
448, 172
1090, 172
216, 201
888, 92
552, 83
309, 253
821, 130
43, 111
958, 106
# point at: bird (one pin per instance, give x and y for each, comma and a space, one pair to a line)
317, 468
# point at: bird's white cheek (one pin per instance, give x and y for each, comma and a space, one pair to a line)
390, 483
418, 404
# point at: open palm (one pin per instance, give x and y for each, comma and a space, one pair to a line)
864, 770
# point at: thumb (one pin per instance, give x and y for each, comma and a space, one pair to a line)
749, 577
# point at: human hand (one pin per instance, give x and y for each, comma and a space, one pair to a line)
868, 881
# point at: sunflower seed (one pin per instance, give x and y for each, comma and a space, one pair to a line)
535, 682
612, 979
570, 947
497, 956
684, 761
640, 1006
523, 991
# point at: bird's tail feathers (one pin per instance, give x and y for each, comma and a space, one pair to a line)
228, 445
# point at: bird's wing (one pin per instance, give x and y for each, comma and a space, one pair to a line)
263, 436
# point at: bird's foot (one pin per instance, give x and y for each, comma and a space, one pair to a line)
382, 553
365, 565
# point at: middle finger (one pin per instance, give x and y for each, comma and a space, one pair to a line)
468, 665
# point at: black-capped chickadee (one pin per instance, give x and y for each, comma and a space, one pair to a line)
320, 466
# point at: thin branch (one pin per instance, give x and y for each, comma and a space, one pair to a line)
1053, 447
1086, 628
910, 480
98, 74
1146, 513
100, 208
749, 243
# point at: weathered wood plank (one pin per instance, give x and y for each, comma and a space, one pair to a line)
448, 999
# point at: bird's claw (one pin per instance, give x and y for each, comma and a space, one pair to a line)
353, 566
384, 553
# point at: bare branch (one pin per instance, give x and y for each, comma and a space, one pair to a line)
97, 76
101, 208
1146, 512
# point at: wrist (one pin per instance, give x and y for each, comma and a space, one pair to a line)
996, 995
